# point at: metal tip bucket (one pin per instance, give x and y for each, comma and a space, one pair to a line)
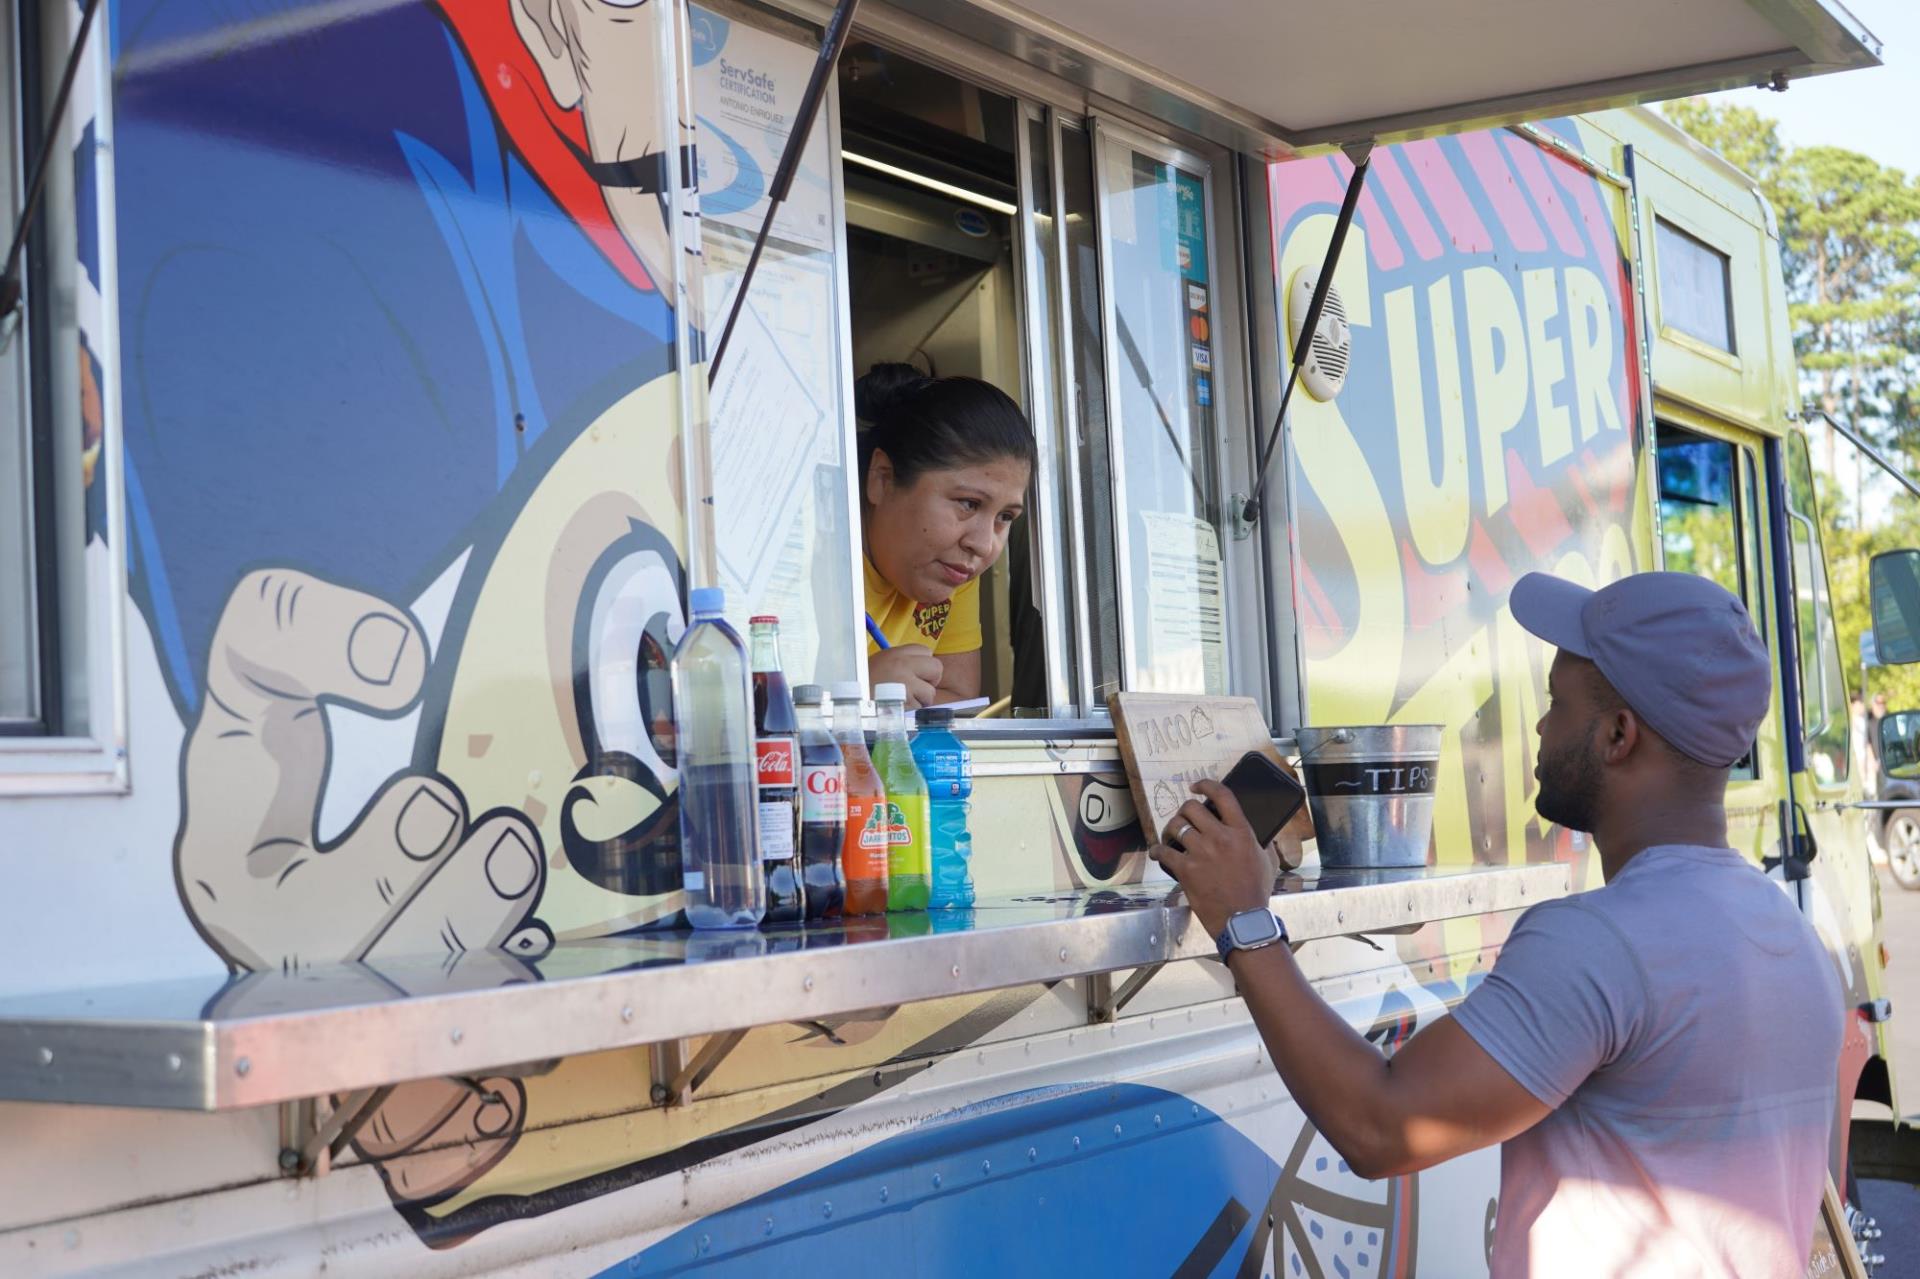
1370, 788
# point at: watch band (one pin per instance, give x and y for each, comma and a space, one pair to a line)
1226, 945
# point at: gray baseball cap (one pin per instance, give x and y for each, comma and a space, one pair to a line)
1679, 649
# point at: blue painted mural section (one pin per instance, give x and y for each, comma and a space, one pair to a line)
1112, 1179
349, 311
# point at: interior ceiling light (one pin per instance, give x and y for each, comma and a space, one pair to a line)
931, 184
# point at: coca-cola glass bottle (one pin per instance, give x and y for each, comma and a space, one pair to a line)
776, 752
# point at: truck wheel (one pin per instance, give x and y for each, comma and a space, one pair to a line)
1903, 847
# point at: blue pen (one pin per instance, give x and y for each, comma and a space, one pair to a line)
873, 629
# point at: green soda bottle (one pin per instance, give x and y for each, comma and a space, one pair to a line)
909, 845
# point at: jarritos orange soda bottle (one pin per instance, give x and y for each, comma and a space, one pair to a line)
863, 855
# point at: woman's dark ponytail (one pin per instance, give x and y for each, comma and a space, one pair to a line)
935, 424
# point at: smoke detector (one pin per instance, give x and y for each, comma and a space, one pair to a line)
1325, 370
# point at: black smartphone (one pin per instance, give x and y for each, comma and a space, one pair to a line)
1268, 795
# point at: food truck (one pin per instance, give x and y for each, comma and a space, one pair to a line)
364, 438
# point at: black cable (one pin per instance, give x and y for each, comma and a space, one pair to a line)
832, 41
36, 186
1251, 511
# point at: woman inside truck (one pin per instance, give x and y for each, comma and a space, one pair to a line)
945, 464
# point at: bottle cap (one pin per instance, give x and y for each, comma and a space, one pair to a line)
933, 715
707, 599
764, 619
889, 692
809, 695
848, 690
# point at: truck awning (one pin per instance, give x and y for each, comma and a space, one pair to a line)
1291, 75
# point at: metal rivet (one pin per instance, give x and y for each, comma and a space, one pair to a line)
1116, 1130
1153, 939
884, 1194
986, 1167
706, 1242
1196, 1110
289, 1160
1340, 917
955, 970
826, 1209
456, 1034
1033, 1153
769, 1226
1076, 1143
242, 1066
46, 1056
1156, 1121
807, 984
936, 1181
173, 1061
626, 1012
1063, 954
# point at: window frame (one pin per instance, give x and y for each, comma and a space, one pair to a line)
1749, 522
1064, 586
1730, 354
1826, 634
64, 758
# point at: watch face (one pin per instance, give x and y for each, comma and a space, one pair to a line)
1253, 927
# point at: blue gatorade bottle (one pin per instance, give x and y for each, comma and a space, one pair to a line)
947, 764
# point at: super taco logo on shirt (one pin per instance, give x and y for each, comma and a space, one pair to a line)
931, 619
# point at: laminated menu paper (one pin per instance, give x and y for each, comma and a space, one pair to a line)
1184, 640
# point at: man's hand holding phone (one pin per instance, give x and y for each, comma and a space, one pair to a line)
1220, 863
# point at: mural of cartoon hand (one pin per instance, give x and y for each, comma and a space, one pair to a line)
411, 875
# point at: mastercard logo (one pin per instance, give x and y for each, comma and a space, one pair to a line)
1197, 325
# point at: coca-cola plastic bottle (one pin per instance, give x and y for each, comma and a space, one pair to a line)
823, 806
776, 751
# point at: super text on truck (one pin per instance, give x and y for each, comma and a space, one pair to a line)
359, 451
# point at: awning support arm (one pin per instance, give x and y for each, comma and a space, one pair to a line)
1860, 442
832, 41
1360, 153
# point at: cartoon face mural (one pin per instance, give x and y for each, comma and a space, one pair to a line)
1486, 428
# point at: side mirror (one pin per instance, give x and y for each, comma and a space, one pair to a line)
1900, 744
1894, 591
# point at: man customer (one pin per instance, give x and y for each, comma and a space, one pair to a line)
1657, 1057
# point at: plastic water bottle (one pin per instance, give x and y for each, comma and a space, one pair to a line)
719, 820
947, 765
909, 868
863, 855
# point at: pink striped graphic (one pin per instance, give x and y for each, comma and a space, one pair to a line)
1386, 172
1381, 241
1462, 225
1298, 185
1600, 230
1526, 158
1503, 192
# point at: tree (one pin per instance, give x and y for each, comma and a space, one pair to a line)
1850, 254
1851, 257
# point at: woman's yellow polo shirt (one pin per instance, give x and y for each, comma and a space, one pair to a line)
951, 626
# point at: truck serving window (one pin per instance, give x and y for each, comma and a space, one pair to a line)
60, 585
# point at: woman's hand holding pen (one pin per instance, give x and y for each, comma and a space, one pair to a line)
911, 664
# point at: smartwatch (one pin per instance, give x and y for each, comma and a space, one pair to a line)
1250, 930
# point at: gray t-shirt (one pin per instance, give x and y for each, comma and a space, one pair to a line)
1685, 1023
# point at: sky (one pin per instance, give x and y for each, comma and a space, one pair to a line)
1876, 111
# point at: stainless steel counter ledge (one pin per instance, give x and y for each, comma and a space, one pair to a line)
263, 1038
